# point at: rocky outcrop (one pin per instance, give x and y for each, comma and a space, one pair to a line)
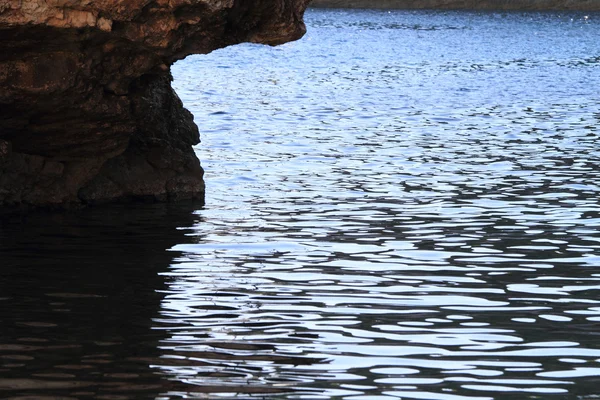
87, 113
532, 5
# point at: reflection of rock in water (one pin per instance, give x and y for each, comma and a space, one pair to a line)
79, 297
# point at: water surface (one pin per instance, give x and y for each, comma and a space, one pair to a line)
400, 205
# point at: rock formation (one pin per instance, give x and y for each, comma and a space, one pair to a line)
87, 113
523, 5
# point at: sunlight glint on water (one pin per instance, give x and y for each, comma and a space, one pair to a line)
401, 204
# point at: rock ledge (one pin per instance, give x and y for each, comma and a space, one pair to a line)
87, 112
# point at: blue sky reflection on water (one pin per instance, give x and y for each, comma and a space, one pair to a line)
407, 200
400, 205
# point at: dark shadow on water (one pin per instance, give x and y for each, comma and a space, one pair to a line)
81, 298
78, 295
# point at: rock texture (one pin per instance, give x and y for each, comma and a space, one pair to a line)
87, 113
524, 5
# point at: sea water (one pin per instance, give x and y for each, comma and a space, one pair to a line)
403, 204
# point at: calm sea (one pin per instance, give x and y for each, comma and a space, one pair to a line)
399, 205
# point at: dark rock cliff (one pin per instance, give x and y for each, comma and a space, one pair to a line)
523, 5
87, 113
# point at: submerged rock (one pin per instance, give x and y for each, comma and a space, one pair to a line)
524, 5
87, 112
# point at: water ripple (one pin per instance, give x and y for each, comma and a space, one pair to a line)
402, 204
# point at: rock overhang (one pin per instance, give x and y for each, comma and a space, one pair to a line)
87, 113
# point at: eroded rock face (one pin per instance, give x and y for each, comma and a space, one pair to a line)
87, 113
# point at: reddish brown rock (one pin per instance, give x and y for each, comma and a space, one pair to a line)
87, 113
